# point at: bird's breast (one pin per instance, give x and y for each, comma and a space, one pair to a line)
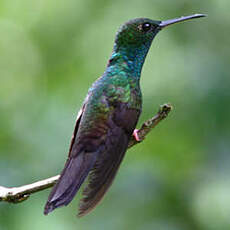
124, 91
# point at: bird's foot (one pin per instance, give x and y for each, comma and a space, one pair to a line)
136, 136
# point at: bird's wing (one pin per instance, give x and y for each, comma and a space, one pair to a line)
77, 123
122, 124
64, 190
97, 151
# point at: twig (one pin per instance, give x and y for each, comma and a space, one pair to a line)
19, 194
22, 193
150, 124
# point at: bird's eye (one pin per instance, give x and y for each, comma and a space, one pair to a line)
146, 27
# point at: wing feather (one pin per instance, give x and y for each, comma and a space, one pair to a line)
108, 162
75, 171
95, 153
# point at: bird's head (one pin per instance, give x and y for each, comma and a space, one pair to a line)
137, 32
140, 32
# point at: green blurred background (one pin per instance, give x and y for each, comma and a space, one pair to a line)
50, 53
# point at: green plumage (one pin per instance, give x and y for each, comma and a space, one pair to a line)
108, 118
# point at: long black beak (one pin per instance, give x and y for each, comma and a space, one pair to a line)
181, 19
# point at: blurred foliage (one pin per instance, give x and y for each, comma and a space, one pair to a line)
50, 53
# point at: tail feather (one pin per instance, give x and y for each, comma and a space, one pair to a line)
92, 196
72, 177
102, 176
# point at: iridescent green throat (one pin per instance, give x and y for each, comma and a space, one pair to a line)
129, 59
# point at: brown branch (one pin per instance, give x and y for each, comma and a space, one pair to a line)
19, 194
150, 124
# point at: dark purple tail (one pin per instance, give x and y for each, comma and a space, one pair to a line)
72, 177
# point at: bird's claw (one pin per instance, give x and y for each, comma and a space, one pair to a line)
136, 136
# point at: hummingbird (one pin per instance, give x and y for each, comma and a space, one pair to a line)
108, 118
